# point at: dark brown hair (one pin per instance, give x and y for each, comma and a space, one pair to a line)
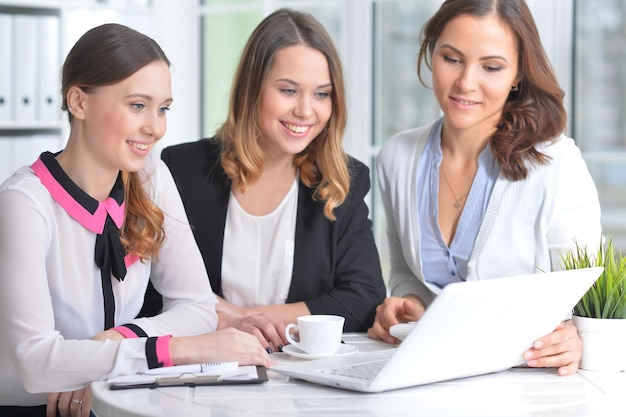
106, 55
531, 115
323, 164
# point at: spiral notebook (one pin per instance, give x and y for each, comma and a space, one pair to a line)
471, 328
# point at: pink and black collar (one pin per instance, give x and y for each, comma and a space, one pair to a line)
103, 218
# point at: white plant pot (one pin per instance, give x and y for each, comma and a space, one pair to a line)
604, 343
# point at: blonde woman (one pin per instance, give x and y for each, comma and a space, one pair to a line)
276, 206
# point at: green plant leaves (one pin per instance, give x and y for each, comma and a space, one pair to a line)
607, 296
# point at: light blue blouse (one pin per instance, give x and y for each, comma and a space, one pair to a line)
441, 264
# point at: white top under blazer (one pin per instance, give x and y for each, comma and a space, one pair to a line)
257, 263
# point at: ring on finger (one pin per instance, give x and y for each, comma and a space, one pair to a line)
77, 401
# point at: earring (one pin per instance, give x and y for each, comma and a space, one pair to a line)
515, 87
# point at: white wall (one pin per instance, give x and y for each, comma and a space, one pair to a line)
176, 29
174, 25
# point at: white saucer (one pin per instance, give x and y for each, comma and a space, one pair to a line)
344, 350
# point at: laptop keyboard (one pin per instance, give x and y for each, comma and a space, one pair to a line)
365, 371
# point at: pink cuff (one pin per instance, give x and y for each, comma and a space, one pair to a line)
125, 331
163, 350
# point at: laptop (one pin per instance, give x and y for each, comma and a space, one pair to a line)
471, 328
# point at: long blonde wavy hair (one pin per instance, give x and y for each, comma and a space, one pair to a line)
323, 164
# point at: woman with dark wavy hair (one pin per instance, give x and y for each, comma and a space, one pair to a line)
276, 205
493, 188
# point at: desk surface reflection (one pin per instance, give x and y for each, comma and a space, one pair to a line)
515, 392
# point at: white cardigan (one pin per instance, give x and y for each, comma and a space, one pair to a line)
527, 226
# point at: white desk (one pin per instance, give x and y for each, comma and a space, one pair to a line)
516, 392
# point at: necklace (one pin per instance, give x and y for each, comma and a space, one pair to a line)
457, 200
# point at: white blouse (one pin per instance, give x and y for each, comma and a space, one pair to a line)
51, 301
257, 263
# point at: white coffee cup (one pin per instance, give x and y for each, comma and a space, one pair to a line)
320, 334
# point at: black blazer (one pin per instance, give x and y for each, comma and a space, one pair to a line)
336, 265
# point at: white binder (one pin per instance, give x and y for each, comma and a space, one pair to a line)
25, 67
27, 148
6, 68
48, 69
6, 163
45, 142
22, 151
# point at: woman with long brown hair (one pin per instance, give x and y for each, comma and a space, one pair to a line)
493, 188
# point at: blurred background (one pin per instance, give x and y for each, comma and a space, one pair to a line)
378, 41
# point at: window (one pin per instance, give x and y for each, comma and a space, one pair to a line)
590, 66
225, 28
599, 114
378, 41
400, 101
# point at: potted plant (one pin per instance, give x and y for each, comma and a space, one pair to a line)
600, 314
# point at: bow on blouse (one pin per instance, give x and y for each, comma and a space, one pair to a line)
102, 218
109, 253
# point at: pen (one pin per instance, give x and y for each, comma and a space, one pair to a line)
199, 368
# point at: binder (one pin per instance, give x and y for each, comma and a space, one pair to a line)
27, 148
6, 165
22, 152
41, 142
49, 69
25, 67
249, 374
6, 68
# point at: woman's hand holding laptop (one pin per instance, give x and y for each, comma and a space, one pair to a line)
562, 348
